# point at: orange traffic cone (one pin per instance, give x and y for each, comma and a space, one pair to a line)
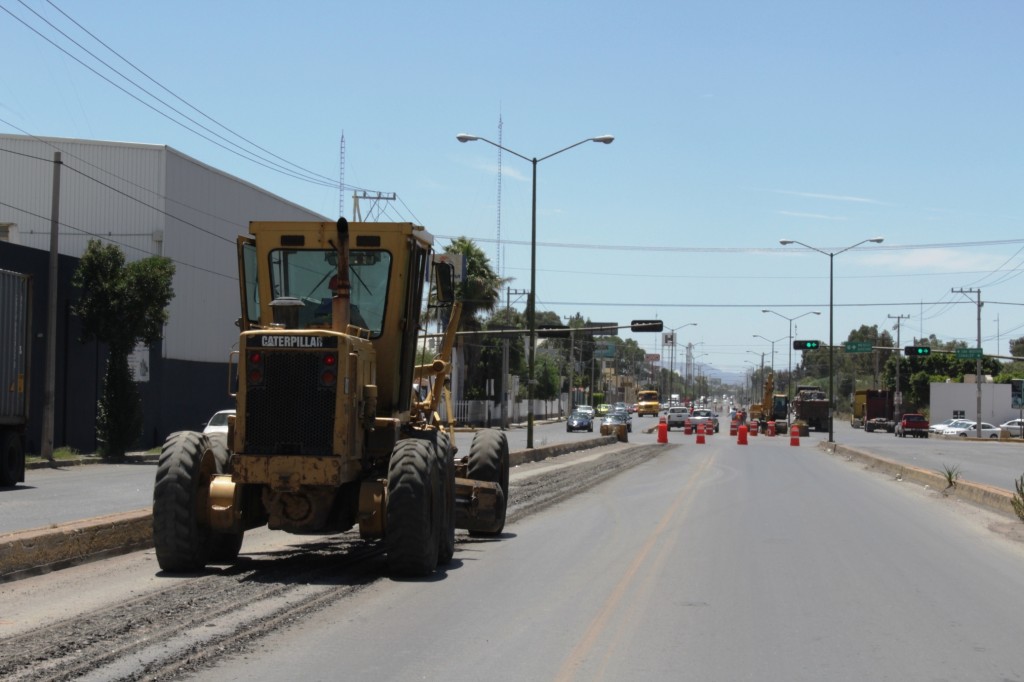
700, 434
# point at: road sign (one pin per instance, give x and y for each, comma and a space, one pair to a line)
968, 353
604, 350
652, 357
857, 347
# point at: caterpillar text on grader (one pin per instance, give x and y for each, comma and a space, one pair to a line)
336, 424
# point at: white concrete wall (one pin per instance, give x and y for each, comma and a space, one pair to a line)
996, 405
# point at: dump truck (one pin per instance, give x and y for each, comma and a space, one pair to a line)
336, 425
15, 361
811, 409
875, 406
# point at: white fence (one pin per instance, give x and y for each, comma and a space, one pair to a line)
488, 413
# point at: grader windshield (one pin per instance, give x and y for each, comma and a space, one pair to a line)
308, 275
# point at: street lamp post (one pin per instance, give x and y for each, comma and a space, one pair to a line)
672, 365
758, 336
831, 317
531, 311
789, 379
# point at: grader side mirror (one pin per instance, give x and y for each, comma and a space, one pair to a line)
445, 273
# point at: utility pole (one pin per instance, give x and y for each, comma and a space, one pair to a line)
50, 380
977, 371
898, 402
505, 358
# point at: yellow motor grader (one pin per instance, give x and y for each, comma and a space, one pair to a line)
336, 425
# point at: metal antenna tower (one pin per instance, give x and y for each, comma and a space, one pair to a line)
501, 271
341, 179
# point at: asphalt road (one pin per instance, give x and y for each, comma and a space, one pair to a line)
714, 562
53, 496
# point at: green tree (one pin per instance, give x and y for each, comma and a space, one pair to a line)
120, 305
480, 291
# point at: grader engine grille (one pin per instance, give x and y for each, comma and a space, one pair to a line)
290, 403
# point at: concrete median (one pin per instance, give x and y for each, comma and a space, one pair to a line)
989, 497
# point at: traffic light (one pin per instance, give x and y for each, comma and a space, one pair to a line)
917, 350
806, 345
646, 325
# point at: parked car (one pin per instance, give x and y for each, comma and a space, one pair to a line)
970, 430
218, 422
952, 424
579, 421
940, 427
1013, 427
676, 417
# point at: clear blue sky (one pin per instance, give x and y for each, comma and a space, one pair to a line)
736, 124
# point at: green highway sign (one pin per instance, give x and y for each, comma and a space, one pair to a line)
968, 353
857, 347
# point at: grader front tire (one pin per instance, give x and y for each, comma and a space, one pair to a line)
488, 461
181, 537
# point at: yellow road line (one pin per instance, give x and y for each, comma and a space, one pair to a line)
585, 647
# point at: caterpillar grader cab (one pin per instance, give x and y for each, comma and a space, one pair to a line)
336, 424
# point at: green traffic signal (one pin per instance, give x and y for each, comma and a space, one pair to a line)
917, 350
806, 345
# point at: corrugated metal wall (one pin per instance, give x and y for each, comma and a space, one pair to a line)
210, 210
14, 350
149, 200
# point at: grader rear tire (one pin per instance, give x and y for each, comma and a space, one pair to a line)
488, 461
446, 549
181, 537
414, 508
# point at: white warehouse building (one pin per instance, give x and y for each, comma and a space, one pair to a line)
149, 200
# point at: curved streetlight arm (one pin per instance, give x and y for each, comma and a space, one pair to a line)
466, 137
831, 322
874, 240
790, 319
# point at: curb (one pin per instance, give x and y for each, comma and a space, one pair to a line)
41, 550
979, 494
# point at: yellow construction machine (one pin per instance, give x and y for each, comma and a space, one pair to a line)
336, 424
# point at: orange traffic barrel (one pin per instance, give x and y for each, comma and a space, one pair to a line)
733, 428
794, 435
687, 427
771, 428
662, 431
700, 434
753, 427
741, 435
